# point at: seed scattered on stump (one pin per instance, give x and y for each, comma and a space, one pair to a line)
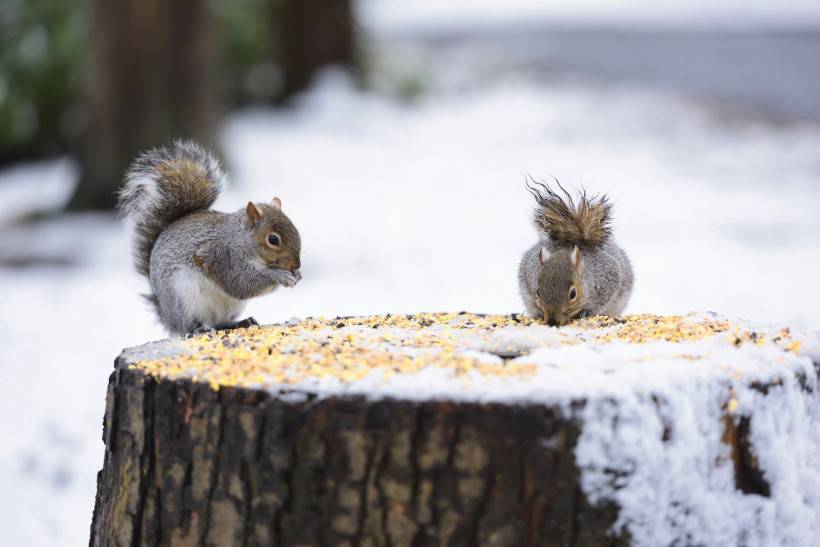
348, 349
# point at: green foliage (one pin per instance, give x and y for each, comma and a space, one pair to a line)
411, 87
408, 81
41, 44
44, 52
248, 49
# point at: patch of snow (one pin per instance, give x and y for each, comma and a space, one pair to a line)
441, 183
404, 15
682, 490
35, 186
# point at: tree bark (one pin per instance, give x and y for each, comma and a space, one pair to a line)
151, 80
186, 465
314, 34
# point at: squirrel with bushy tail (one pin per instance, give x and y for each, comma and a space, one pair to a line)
203, 265
576, 270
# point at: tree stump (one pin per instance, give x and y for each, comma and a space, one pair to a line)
461, 429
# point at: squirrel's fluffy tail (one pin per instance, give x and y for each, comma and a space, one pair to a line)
585, 223
164, 184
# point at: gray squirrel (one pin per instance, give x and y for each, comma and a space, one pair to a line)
576, 270
203, 265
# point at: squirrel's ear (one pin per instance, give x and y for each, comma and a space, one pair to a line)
276, 202
543, 255
575, 258
253, 213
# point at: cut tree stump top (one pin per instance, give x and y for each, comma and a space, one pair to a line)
470, 357
460, 429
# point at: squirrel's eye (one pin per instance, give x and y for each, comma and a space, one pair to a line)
573, 293
274, 240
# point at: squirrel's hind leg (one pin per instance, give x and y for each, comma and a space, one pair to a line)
228, 325
199, 330
241, 324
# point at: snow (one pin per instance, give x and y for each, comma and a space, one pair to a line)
421, 206
52, 180
682, 491
403, 15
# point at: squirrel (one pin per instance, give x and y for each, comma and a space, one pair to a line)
576, 270
203, 265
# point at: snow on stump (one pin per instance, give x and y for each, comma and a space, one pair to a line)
462, 429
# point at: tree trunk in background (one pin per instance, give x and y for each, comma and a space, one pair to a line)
151, 80
313, 34
186, 465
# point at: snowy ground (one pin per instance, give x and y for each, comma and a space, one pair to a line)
727, 14
403, 207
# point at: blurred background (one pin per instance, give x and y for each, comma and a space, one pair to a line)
398, 134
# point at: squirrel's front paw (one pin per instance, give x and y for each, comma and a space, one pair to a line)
287, 279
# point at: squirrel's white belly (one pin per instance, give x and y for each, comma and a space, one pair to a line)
205, 302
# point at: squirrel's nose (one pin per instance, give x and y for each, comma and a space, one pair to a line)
551, 321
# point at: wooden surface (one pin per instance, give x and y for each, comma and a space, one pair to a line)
186, 465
